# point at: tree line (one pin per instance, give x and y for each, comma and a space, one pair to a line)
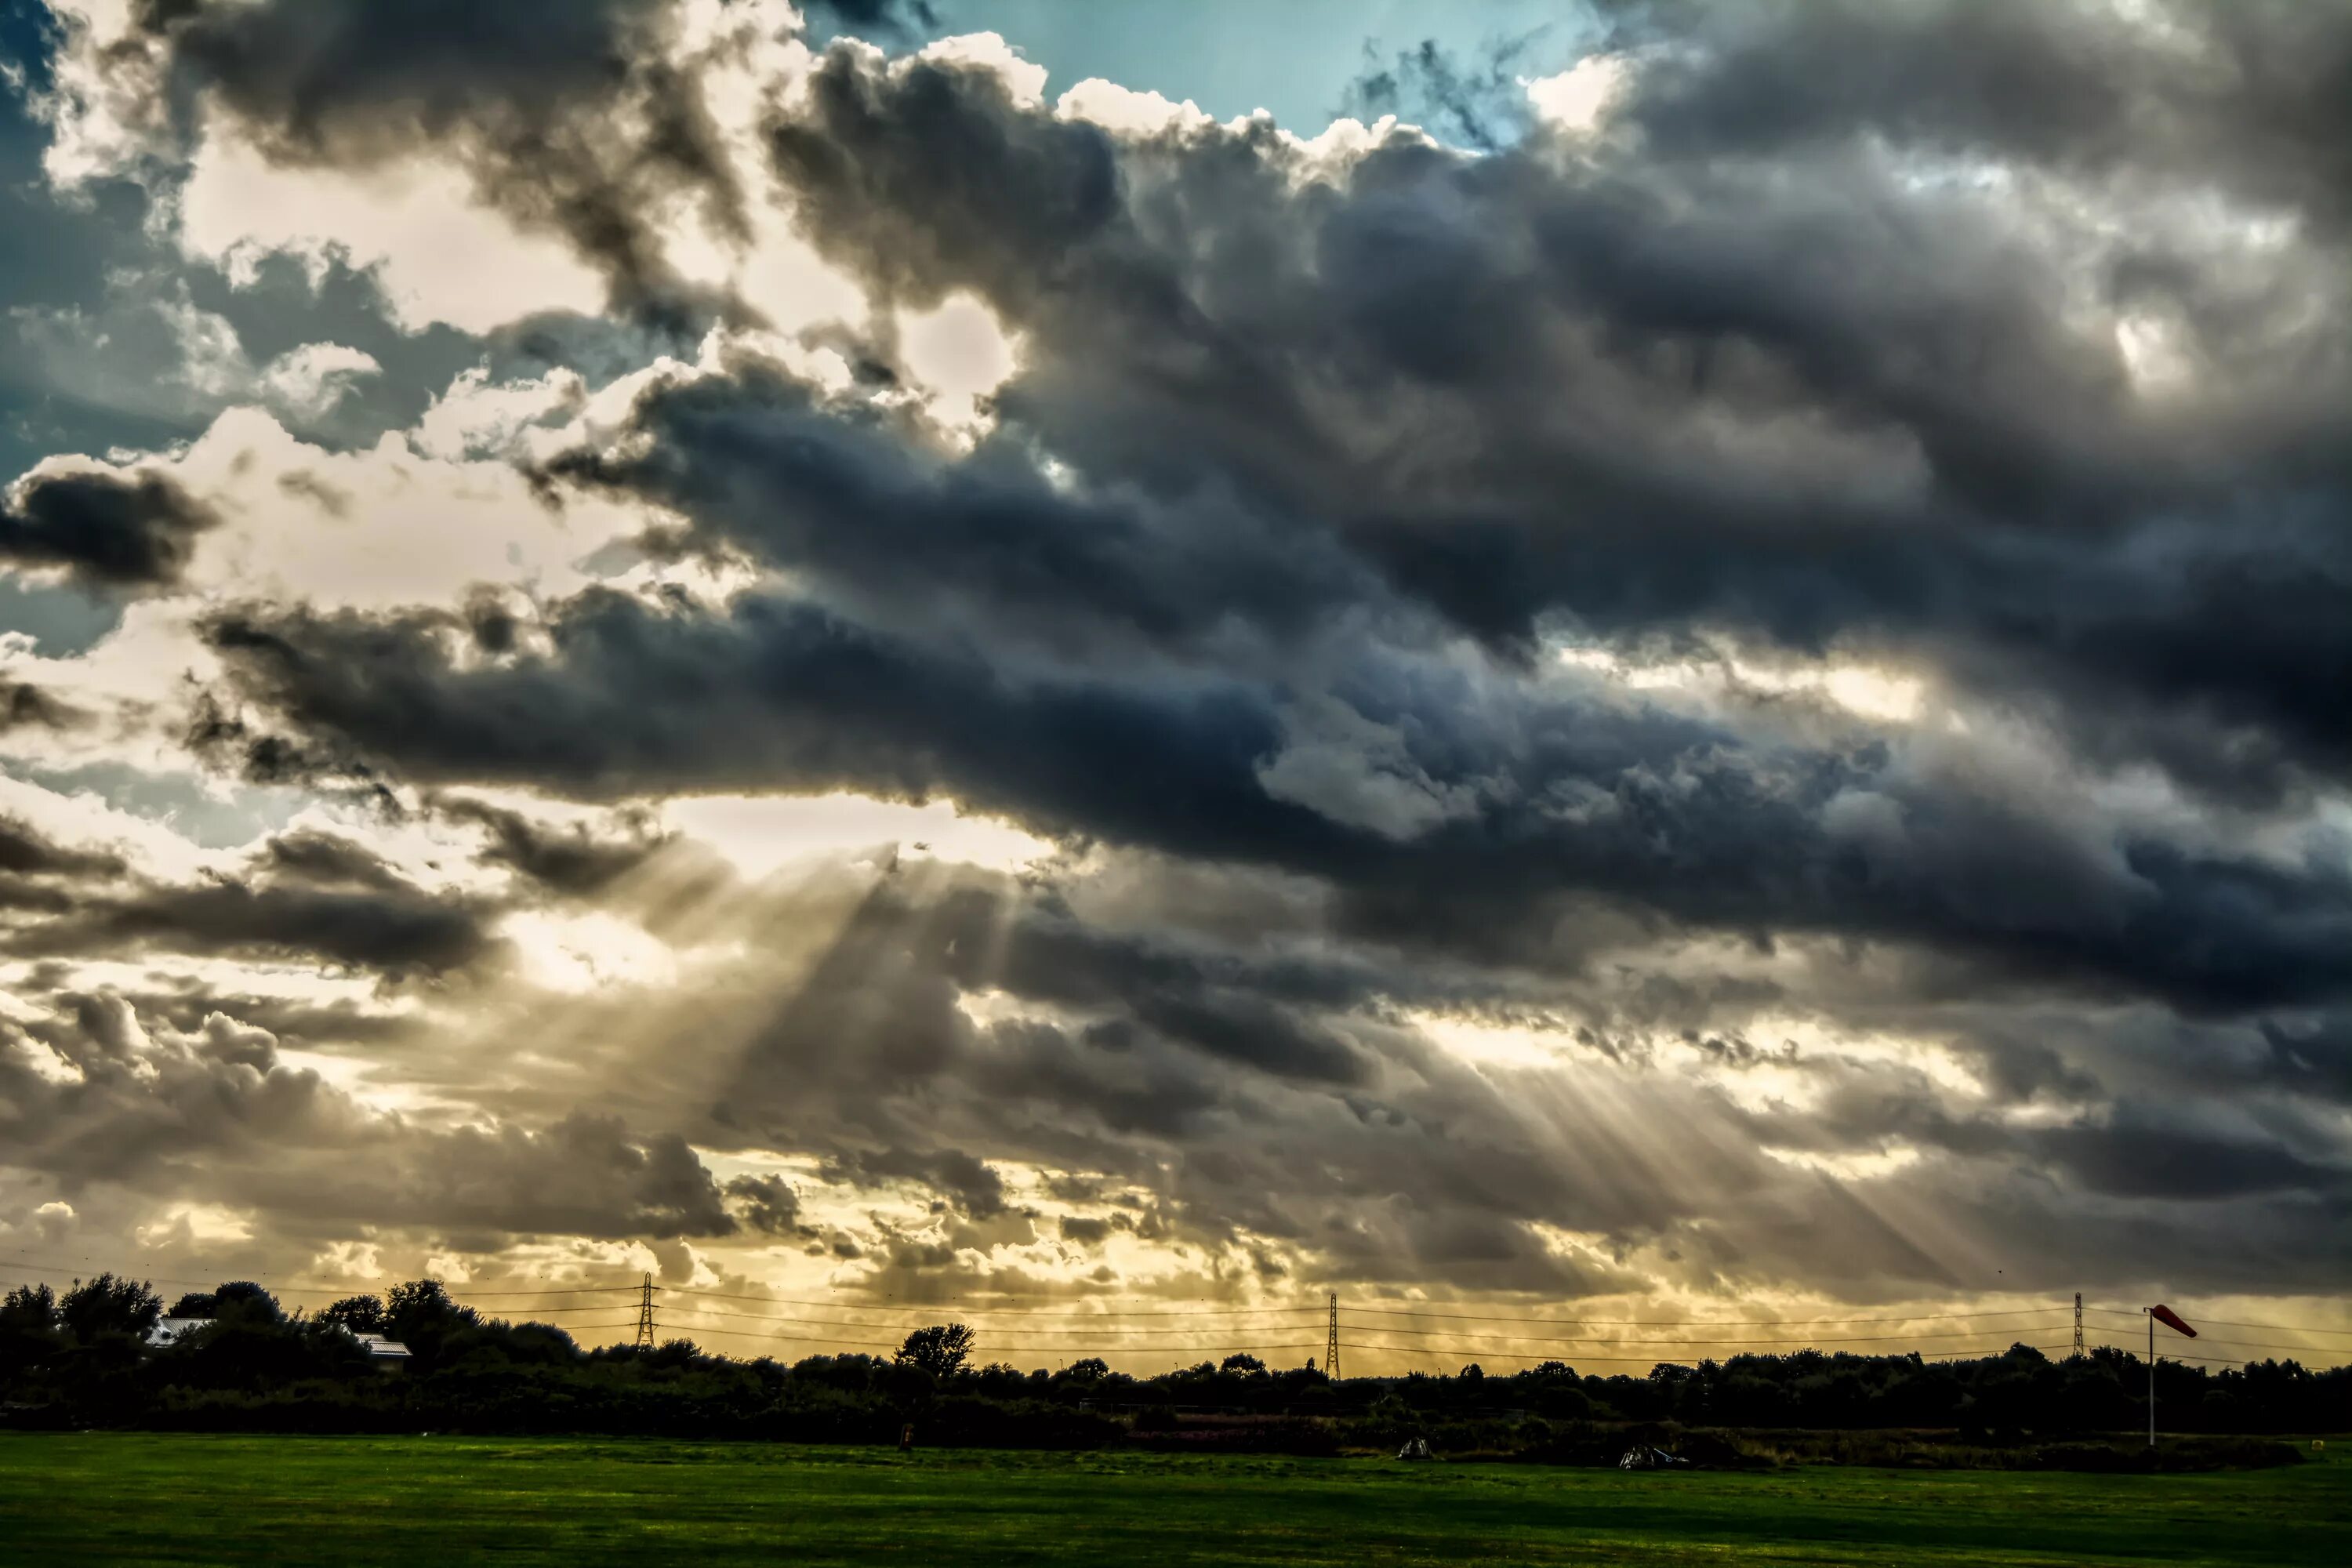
81, 1359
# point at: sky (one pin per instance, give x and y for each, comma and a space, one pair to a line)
1663, 661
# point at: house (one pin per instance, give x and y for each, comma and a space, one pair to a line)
381, 1349
168, 1332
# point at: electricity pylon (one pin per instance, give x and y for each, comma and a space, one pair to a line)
1331, 1343
646, 1315
2078, 1325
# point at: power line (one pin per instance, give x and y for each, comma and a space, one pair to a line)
84, 1271
2226, 1323
2168, 1355
1800, 1340
1125, 1336
2251, 1345
1511, 1355
786, 1301
2272, 1328
2272, 1345
1005, 1350
1474, 1352
544, 1301
1703, 1323
77, 1271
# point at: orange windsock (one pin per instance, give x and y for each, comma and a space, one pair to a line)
2171, 1319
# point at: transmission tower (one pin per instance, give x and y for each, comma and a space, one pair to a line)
1331, 1344
2078, 1324
646, 1315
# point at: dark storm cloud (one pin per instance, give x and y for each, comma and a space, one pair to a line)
782, 695
1658, 396
308, 895
981, 546
766, 1204
1159, 1049
779, 694
572, 861
1251, 584
972, 1186
27, 851
151, 1111
565, 115
2256, 96
1429, 1171
101, 528
25, 705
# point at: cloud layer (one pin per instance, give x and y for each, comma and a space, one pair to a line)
1730, 691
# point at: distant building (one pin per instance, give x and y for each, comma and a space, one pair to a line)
167, 1331
382, 1348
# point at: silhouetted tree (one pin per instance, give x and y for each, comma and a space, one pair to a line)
359, 1314
940, 1349
30, 1308
28, 1328
248, 1302
107, 1305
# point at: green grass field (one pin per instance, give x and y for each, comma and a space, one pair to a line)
441, 1501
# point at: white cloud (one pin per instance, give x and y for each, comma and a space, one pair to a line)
1024, 78
1127, 112
762, 833
961, 353
81, 819
477, 417
445, 256
308, 382
379, 526
1578, 99
212, 359
106, 107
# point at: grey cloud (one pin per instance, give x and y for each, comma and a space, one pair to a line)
27, 851
102, 529
1253, 584
217, 1115
398, 933
24, 704
571, 860
782, 694
2251, 96
310, 894
533, 97
981, 546
767, 1204
975, 1188
1656, 395
1084, 1230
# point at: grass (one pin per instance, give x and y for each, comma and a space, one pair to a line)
433, 1502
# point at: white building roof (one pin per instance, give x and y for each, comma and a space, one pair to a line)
167, 1329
